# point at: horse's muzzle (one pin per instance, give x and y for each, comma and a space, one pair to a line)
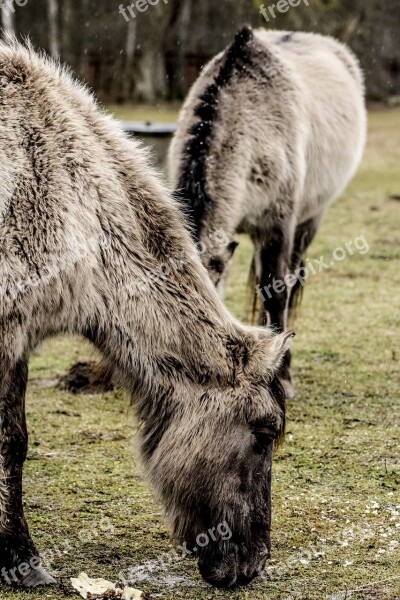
230, 572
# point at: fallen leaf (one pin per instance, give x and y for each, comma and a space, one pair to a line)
101, 589
93, 588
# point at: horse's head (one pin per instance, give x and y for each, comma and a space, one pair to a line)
211, 461
217, 262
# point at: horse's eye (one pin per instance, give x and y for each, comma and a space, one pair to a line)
264, 438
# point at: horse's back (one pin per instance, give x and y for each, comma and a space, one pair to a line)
291, 117
312, 50
330, 87
59, 173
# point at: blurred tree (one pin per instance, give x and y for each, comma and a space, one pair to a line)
177, 47
371, 29
52, 10
159, 50
130, 46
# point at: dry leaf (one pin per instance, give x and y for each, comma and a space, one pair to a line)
101, 589
93, 588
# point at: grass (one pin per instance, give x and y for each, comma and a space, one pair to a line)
164, 113
336, 518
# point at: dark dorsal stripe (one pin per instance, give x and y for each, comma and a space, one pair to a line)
191, 189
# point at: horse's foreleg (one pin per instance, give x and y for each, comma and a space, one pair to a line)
274, 287
274, 261
19, 561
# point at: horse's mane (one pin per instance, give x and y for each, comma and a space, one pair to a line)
191, 189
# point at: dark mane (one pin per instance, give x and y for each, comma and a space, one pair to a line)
191, 190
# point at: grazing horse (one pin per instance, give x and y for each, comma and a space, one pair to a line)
91, 243
271, 132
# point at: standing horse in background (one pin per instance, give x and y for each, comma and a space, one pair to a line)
87, 234
271, 132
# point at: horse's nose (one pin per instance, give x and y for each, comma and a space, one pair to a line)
245, 578
222, 574
226, 574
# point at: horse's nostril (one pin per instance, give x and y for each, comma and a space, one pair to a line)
216, 580
221, 576
225, 583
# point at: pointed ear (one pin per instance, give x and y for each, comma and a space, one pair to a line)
231, 247
268, 352
276, 348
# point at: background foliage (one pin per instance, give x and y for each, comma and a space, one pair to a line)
159, 53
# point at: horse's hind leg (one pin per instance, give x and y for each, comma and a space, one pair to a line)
19, 561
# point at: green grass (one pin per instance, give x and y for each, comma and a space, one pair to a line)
164, 113
336, 517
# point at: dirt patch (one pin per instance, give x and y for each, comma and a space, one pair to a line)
86, 378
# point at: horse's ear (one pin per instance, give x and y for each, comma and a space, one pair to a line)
276, 348
231, 247
268, 352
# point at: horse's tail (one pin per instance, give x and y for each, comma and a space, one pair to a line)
253, 300
191, 189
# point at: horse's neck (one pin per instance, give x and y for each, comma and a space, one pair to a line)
150, 328
157, 310
223, 217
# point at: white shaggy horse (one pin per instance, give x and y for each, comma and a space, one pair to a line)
271, 133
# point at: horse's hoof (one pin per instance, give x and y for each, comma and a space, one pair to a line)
289, 389
37, 577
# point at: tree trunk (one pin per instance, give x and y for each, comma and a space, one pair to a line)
52, 10
127, 83
65, 33
152, 75
179, 84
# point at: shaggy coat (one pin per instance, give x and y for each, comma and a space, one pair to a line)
92, 244
271, 133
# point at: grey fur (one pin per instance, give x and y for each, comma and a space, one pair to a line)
84, 222
280, 141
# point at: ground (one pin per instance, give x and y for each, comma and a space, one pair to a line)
336, 501
159, 113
